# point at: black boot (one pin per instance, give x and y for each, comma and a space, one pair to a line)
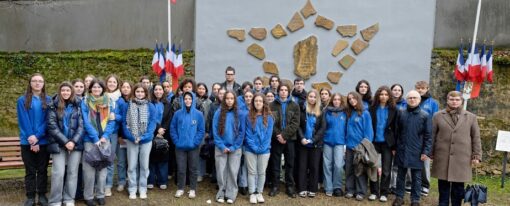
274, 191
291, 192
43, 201
243, 190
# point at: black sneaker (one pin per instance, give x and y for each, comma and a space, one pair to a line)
338, 192
43, 201
274, 191
101, 201
90, 203
291, 192
243, 190
29, 202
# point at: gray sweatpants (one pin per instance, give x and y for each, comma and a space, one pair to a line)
60, 188
93, 180
227, 168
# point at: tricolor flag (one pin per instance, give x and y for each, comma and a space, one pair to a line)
466, 64
162, 58
483, 65
155, 61
170, 56
489, 65
459, 66
474, 68
178, 64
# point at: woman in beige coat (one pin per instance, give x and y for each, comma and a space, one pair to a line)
456, 146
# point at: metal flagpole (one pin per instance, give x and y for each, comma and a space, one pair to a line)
469, 85
169, 23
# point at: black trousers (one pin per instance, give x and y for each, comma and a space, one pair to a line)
381, 187
275, 161
450, 192
308, 168
36, 170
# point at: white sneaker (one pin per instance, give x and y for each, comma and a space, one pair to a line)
200, 179
69, 204
192, 194
230, 201
163, 187
150, 186
179, 193
383, 199
120, 188
143, 195
372, 197
107, 192
220, 200
132, 196
253, 199
303, 194
260, 198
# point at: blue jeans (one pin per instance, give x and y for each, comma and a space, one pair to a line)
416, 183
109, 175
333, 167
158, 173
121, 165
138, 158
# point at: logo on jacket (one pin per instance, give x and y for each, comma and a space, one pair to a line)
193, 122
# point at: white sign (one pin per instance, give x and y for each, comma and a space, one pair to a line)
503, 142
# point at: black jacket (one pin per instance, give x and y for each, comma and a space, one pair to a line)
414, 138
318, 132
389, 131
236, 88
291, 120
56, 125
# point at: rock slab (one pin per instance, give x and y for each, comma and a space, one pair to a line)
270, 67
236, 34
347, 30
370, 32
319, 85
295, 23
258, 33
305, 57
308, 10
339, 47
278, 31
358, 46
347, 61
324, 22
257, 51
334, 77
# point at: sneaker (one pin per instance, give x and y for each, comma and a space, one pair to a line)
398, 202
338, 192
107, 191
372, 197
349, 195
424, 192
230, 201
90, 203
101, 201
120, 188
311, 194
132, 196
42, 199
200, 179
150, 186
143, 195
163, 187
359, 197
29, 202
220, 200
329, 194
383, 199
303, 194
253, 199
69, 204
408, 189
192, 194
260, 198
179, 193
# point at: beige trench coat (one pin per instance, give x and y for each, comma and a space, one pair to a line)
454, 146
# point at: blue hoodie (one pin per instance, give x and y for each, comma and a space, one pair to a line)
284, 110
402, 104
151, 127
365, 105
258, 138
32, 121
160, 107
429, 106
335, 126
241, 104
187, 128
358, 128
233, 135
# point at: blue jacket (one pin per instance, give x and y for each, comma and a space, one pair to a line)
92, 135
359, 127
233, 134
187, 128
333, 129
67, 128
241, 104
401, 104
160, 107
32, 121
258, 137
429, 105
414, 129
149, 132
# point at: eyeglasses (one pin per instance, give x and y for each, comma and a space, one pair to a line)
412, 97
229, 74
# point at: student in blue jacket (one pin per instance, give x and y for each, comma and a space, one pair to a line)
333, 130
99, 127
121, 151
397, 92
363, 88
32, 111
309, 145
187, 130
259, 128
138, 123
359, 127
244, 105
429, 105
228, 132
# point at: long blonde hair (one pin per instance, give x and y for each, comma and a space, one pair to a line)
316, 109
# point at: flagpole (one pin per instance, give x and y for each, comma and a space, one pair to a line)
469, 85
169, 23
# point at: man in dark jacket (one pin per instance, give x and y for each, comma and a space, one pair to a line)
286, 114
413, 147
298, 94
230, 81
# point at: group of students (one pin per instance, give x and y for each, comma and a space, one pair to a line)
238, 134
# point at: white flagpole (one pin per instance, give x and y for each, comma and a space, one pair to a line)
469, 85
169, 23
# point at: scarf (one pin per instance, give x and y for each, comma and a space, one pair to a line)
99, 111
114, 96
425, 96
137, 117
454, 114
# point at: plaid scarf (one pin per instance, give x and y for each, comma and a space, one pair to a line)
137, 117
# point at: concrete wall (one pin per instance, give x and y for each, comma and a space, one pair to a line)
455, 19
69, 25
402, 46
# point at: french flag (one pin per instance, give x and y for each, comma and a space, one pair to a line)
178, 64
474, 67
155, 61
483, 65
459, 66
170, 56
489, 66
